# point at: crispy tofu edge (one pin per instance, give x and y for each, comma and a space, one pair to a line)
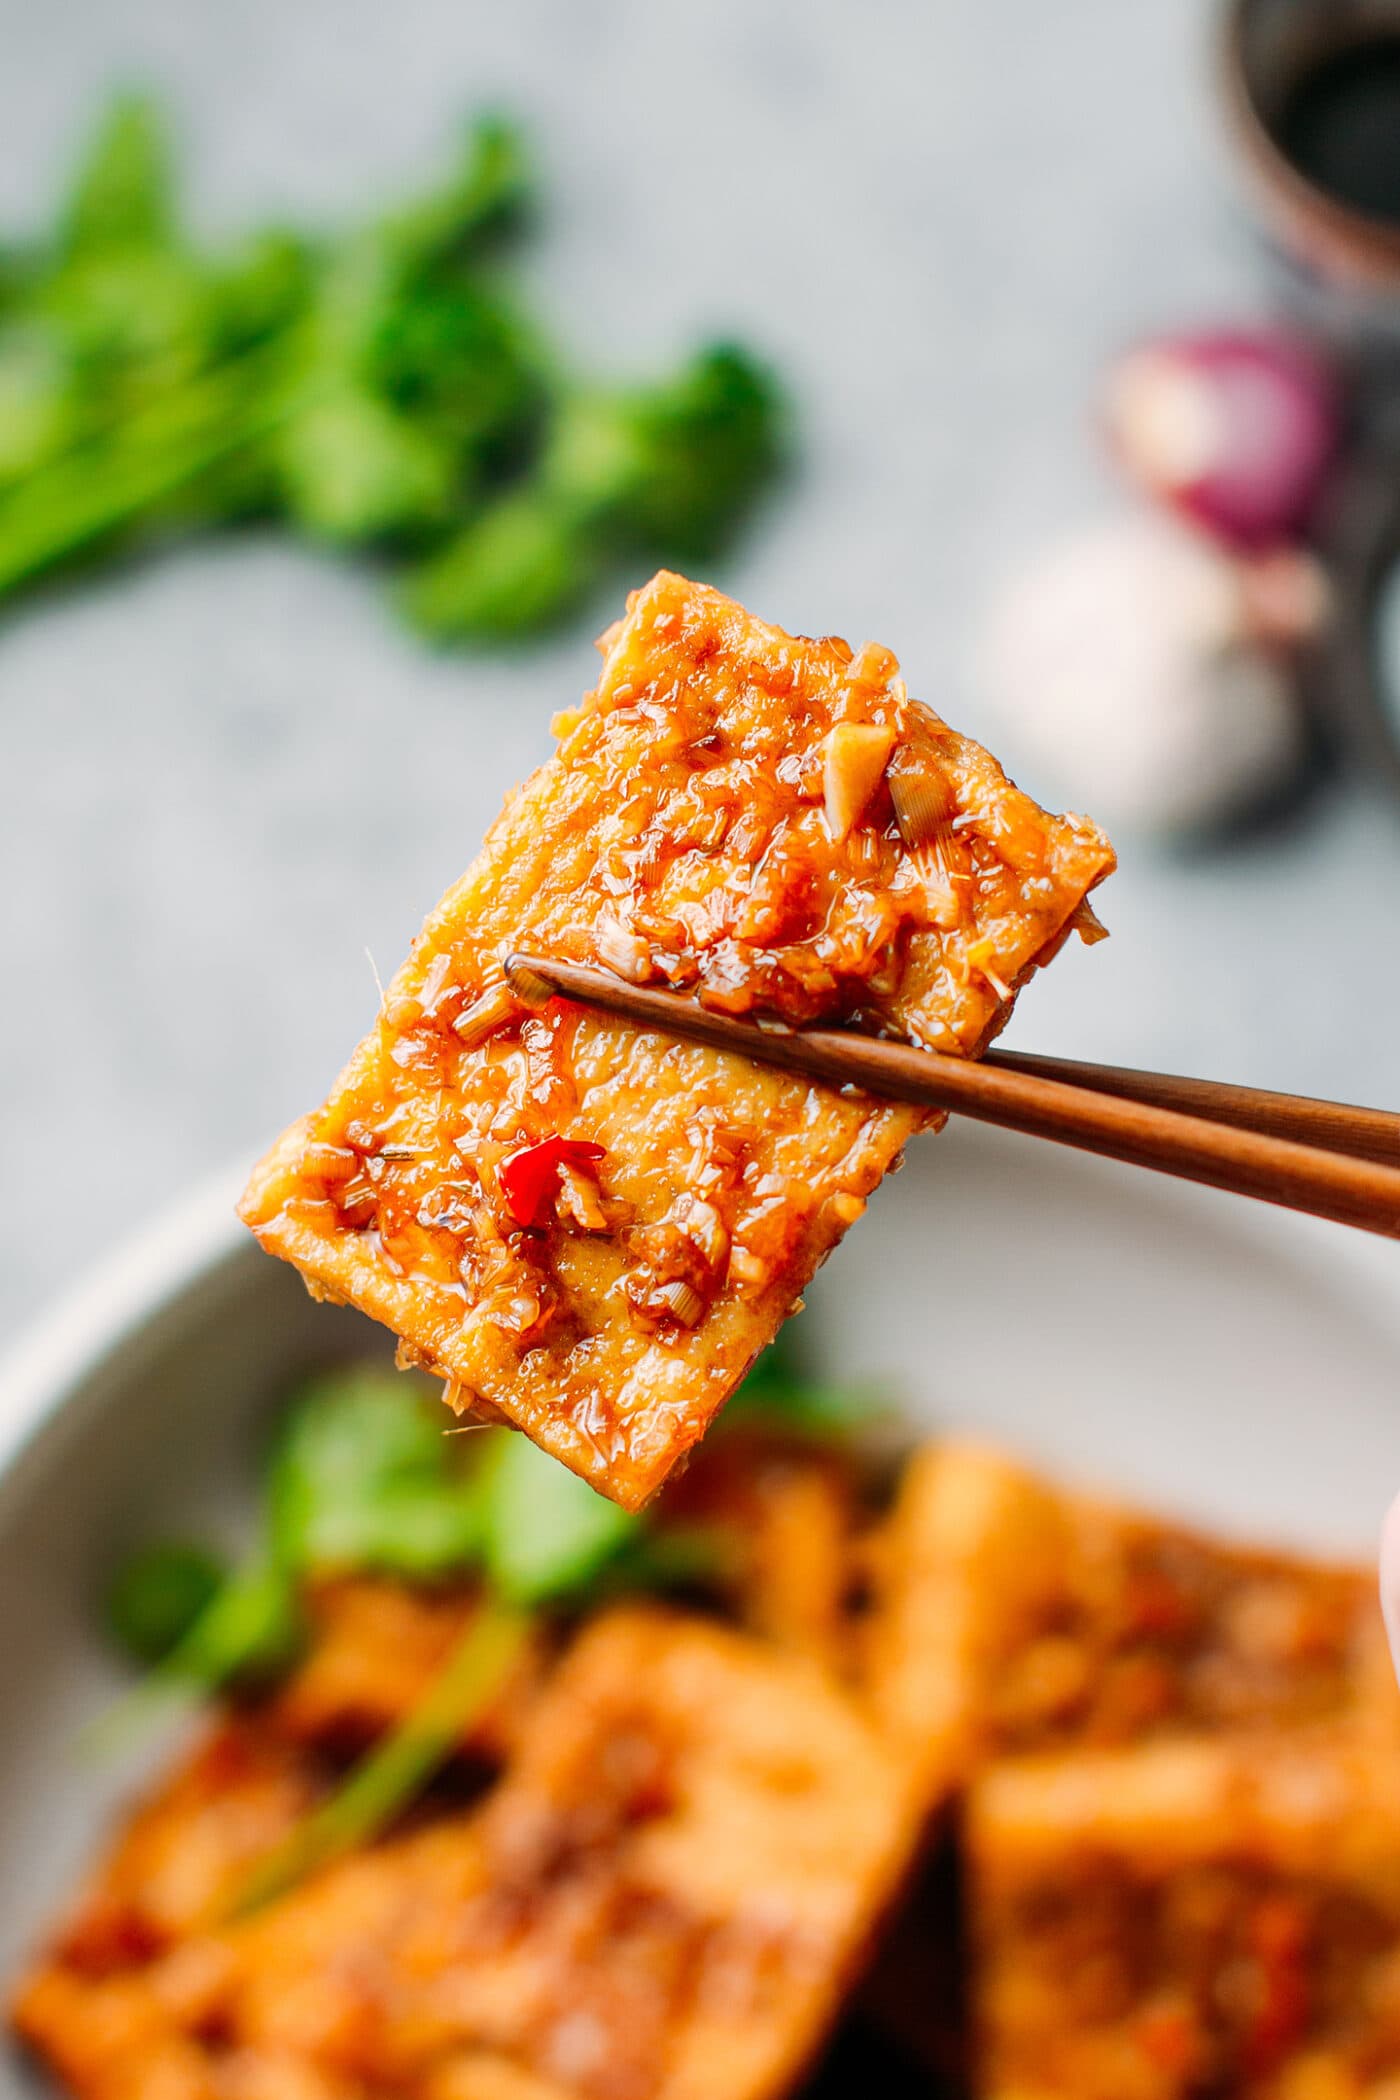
333, 1265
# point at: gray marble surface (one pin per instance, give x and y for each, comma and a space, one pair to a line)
225, 776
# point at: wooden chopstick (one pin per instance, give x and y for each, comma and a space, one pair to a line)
1139, 1127
1365, 1133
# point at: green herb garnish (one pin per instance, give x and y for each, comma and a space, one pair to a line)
402, 1764
622, 472
363, 1478
547, 1533
158, 1595
248, 1632
379, 388
779, 1393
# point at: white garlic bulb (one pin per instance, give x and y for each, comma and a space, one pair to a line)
1144, 673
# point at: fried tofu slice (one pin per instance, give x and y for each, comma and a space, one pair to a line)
1013, 1616
772, 1524
781, 1526
376, 1649
665, 1898
1194, 1917
226, 1802
766, 1529
703, 1833
590, 1229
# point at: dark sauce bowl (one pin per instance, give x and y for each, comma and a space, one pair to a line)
1355, 675
1306, 85
1312, 99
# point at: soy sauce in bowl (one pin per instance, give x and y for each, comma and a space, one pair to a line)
1339, 125
1311, 92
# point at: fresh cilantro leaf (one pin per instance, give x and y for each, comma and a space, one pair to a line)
123, 192
158, 1594
364, 1477
546, 1532
780, 1394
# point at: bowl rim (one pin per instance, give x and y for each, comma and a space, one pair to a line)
66, 1343
1364, 250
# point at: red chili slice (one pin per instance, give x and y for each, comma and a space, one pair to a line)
530, 1176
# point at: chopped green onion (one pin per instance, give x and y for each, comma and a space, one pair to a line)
249, 1631
394, 1773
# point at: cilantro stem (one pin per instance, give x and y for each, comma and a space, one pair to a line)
250, 1627
402, 1764
110, 482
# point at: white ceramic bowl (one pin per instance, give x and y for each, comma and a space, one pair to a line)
1204, 1354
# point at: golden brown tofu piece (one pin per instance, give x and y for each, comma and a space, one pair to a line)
771, 1524
1013, 1617
702, 1834
376, 1648
665, 1898
225, 1804
783, 1521
590, 1229
1196, 1917
108, 2006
